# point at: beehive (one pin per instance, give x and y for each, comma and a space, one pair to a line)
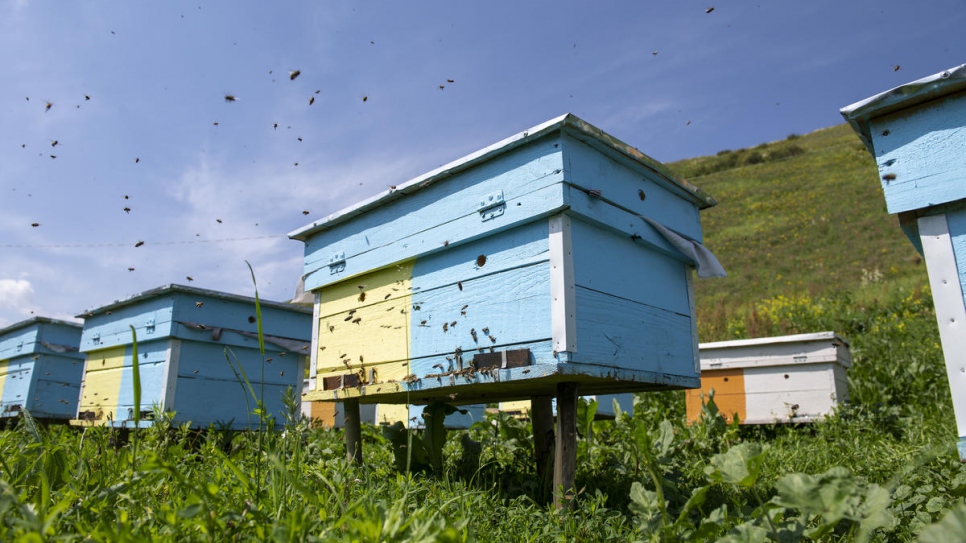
195, 349
917, 134
40, 368
555, 256
798, 378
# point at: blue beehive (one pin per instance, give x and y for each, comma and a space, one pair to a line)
191, 343
917, 134
40, 368
557, 255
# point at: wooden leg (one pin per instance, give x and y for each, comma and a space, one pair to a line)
565, 455
353, 431
541, 418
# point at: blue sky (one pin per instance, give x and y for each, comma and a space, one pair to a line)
666, 76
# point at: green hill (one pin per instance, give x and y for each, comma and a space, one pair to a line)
801, 217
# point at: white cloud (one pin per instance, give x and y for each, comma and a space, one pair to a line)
17, 295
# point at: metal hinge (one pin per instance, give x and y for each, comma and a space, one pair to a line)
337, 263
491, 206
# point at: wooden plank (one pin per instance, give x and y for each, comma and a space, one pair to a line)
113, 328
947, 273
805, 391
102, 382
919, 152
620, 333
565, 451
630, 186
562, 294
616, 265
729, 394
427, 240
516, 173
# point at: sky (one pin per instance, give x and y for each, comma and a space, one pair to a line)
124, 165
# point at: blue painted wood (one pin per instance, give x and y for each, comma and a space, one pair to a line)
617, 333
615, 265
152, 358
624, 182
956, 218
436, 236
42, 370
920, 154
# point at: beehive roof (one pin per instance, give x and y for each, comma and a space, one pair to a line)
194, 291
570, 123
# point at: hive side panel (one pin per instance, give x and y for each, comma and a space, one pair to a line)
407, 221
615, 265
631, 187
729, 394
783, 393
920, 154
17, 382
364, 324
102, 383
60, 337
19, 342
151, 319
225, 404
57, 387
618, 333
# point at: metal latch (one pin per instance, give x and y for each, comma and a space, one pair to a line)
149, 326
492, 205
96, 338
337, 263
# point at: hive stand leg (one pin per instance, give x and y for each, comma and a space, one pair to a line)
565, 461
353, 431
541, 419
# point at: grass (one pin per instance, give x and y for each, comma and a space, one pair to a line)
809, 223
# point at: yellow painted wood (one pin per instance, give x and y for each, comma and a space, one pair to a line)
389, 414
729, 394
366, 328
521, 407
4, 367
322, 414
102, 382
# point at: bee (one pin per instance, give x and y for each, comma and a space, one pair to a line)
357, 320
446, 243
305, 212
493, 339
48, 106
480, 261
218, 221
189, 278
452, 324
300, 139
87, 97
331, 328
311, 100
654, 52
441, 87
386, 297
364, 98
126, 197
486, 330
317, 91
889, 177
127, 210
130, 269
53, 156
296, 163
525, 372
445, 327
709, 10
641, 195
450, 81
347, 319
896, 68
459, 284
422, 323
440, 366
321, 347
137, 159
293, 74
138, 244
362, 296
35, 224
230, 98
361, 361
473, 334
196, 371
199, 304
54, 143
275, 126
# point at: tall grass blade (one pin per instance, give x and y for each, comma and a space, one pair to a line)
136, 383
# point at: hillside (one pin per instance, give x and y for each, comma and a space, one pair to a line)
804, 216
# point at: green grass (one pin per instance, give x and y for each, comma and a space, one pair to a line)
812, 222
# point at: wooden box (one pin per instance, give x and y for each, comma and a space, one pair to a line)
917, 134
797, 378
533, 262
40, 368
193, 346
